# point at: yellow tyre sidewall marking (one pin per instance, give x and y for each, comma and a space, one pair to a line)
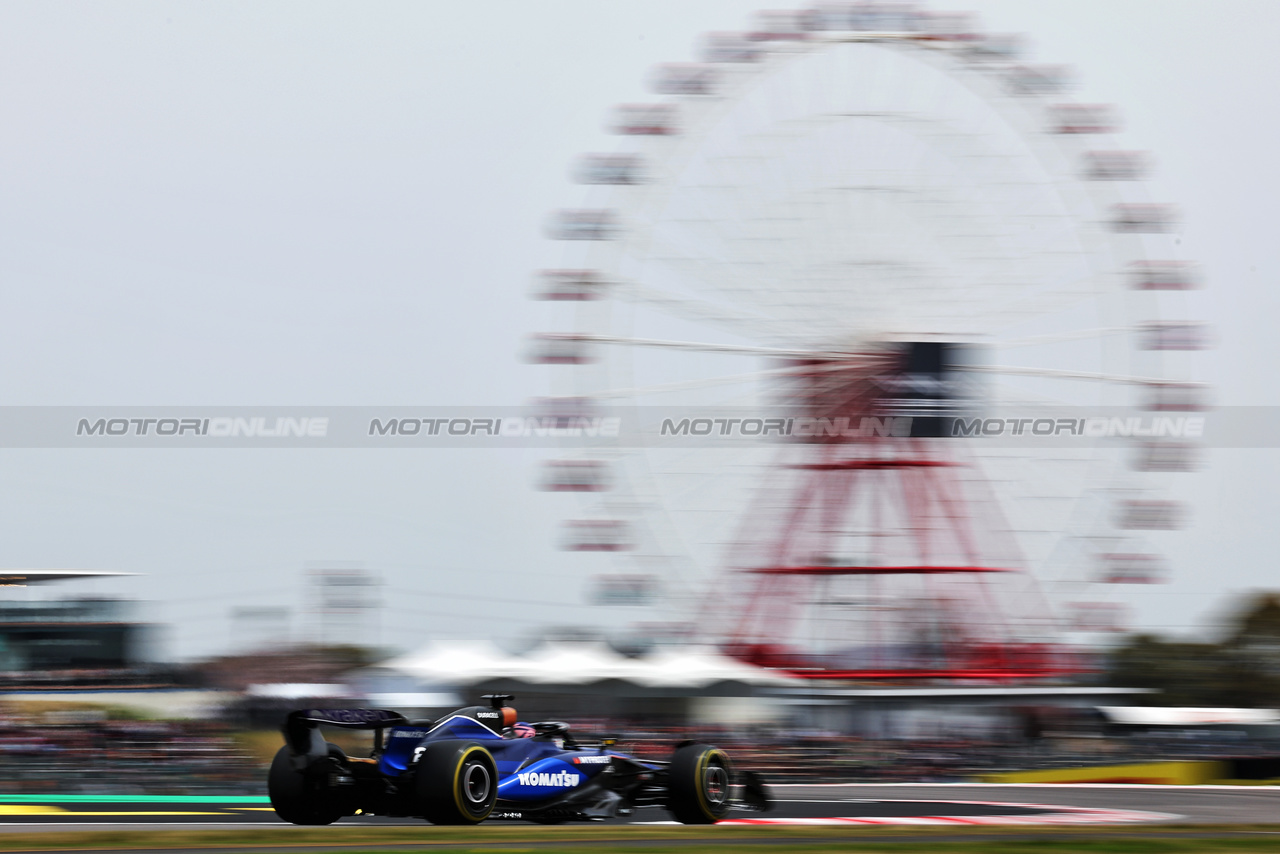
457, 775
703, 762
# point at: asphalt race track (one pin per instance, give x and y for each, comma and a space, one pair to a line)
849, 805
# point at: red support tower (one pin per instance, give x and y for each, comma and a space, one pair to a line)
881, 556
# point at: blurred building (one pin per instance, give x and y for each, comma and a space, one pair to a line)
68, 634
75, 641
343, 602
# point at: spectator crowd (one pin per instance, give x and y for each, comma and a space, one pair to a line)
85, 752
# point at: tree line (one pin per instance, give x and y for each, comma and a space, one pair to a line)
1240, 669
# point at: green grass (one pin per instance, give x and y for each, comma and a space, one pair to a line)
134, 799
686, 840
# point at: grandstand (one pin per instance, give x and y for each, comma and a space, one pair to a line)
72, 642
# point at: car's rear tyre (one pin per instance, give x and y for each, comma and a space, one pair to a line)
698, 781
456, 782
300, 798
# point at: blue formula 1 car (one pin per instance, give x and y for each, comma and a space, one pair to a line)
478, 763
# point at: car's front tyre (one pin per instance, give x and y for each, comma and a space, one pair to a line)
698, 784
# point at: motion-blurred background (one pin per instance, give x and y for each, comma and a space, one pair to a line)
846, 211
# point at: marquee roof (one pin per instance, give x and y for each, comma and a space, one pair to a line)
461, 662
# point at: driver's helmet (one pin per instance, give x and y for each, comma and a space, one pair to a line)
519, 730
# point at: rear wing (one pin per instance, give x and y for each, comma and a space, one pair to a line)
307, 745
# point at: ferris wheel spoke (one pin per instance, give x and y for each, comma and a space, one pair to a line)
711, 221
730, 379
689, 308
1007, 393
732, 349
1093, 376
1059, 337
1048, 301
685, 385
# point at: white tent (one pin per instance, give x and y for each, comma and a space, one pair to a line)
454, 663
457, 663
698, 667
578, 664
300, 691
1186, 716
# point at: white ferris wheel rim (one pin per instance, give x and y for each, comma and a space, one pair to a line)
610, 379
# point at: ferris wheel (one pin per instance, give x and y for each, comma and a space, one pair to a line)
816, 216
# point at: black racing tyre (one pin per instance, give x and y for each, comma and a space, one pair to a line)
698, 780
300, 798
456, 782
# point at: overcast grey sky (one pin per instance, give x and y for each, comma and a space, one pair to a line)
341, 204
